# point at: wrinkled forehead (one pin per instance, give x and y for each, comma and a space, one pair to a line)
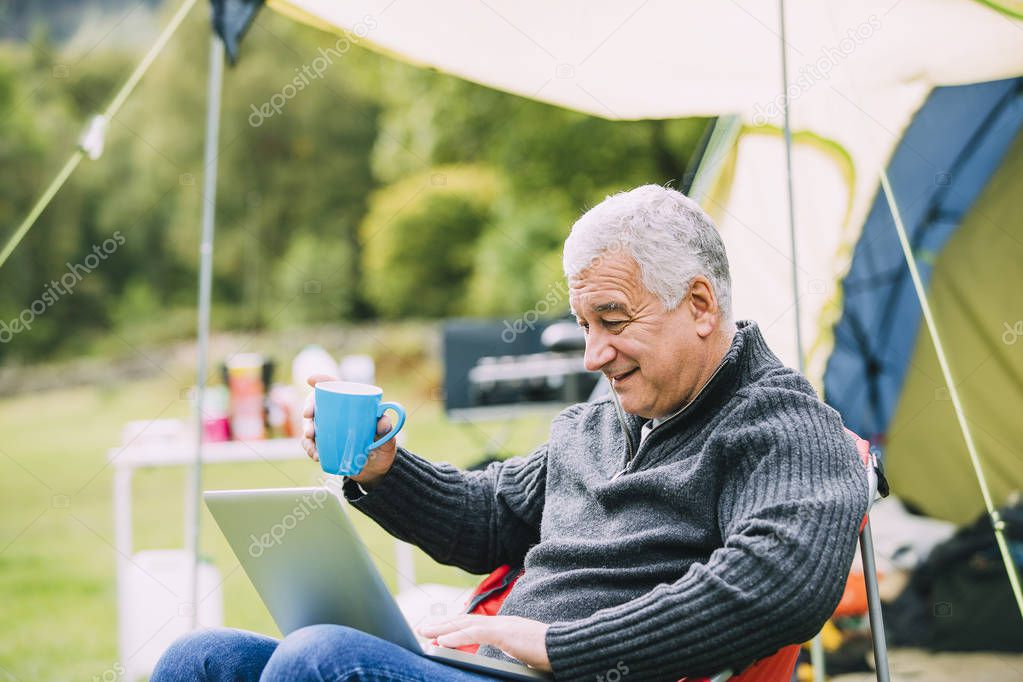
608, 296
611, 282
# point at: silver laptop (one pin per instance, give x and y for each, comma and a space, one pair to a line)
309, 566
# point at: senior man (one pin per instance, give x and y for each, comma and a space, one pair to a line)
700, 517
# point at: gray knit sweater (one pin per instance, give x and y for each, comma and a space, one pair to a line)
725, 536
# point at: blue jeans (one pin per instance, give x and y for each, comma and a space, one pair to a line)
317, 652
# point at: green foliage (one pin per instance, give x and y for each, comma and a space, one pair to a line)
313, 286
439, 119
294, 182
419, 240
293, 205
518, 261
556, 163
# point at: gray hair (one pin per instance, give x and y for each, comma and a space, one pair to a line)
671, 238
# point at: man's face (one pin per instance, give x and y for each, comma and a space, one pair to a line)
656, 360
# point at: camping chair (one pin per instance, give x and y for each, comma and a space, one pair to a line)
779, 666
878, 485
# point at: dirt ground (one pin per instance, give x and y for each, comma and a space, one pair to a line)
914, 665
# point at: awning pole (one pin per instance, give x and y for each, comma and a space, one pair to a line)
817, 644
996, 521
213, 91
788, 178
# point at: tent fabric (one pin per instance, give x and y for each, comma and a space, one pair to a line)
663, 59
749, 205
944, 160
975, 295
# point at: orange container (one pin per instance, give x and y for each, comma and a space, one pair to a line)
854, 599
245, 383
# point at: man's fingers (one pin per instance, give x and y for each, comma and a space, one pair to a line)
317, 378
458, 638
519, 638
310, 449
310, 402
433, 627
383, 425
463, 630
477, 625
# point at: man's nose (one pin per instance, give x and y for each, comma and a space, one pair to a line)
598, 352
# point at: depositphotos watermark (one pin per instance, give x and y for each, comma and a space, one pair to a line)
65, 286
614, 674
1012, 333
300, 512
112, 674
555, 295
820, 69
314, 70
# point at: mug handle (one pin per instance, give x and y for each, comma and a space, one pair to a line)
383, 407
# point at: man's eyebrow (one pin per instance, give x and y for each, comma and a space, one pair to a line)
609, 307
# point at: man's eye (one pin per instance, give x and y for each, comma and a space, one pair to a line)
584, 325
613, 324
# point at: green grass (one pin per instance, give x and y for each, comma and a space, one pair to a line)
57, 567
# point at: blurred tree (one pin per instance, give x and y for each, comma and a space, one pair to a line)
556, 163
419, 240
518, 262
313, 284
297, 178
396, 190
36, 135
303, 171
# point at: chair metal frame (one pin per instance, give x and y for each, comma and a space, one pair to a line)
870, 577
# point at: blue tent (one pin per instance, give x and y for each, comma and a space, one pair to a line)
943, 173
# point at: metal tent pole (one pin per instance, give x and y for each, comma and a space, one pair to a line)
209, 196
816, 644
788, 177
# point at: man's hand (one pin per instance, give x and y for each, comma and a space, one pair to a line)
520, 638
380, 460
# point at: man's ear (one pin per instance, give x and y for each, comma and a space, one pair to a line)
703, 305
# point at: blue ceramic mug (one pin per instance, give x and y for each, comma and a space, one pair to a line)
346, 424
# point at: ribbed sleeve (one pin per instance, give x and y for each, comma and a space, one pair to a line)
790, 505
476, 520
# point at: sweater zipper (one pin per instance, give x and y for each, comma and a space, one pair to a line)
628, 438
629, 456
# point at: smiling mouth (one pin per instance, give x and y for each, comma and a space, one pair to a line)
617, 379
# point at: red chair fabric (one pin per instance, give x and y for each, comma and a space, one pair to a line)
777, 667
488, 596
